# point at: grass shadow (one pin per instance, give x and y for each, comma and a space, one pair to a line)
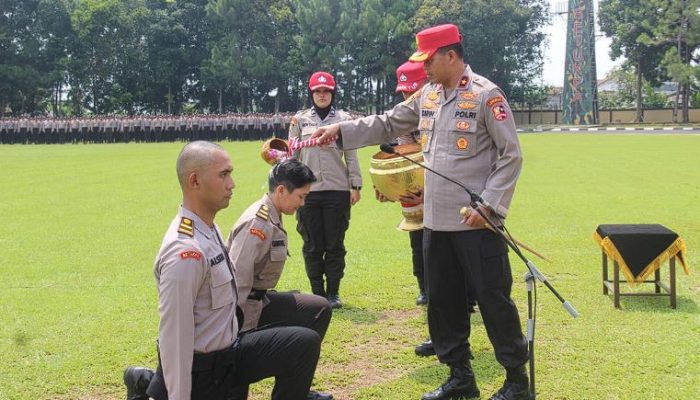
656, 304
356, 315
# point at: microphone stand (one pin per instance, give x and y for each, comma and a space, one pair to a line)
478, 204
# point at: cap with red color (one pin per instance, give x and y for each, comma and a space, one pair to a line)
431, 39
321, 80
410, 77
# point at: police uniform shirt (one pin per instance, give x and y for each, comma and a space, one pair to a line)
196, 298
326, 162
258, 249
467, 134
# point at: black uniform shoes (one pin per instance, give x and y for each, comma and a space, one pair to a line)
460, 385
512, 391
425, 349
314, 395
136, 380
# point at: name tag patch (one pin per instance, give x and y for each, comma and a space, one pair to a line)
216, 259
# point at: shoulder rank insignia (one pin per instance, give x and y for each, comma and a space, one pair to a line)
263, 212
464, 81
186, 227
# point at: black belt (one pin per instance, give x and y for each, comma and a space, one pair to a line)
217, 359
257, 294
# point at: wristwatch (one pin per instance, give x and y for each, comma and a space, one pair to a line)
356, 187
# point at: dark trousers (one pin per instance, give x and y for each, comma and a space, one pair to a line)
289, 354
297, 309
416, 238
459, 264
322, 223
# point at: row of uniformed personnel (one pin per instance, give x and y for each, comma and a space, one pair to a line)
110, 129
143, 128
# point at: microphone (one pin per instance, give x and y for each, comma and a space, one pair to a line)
475, 198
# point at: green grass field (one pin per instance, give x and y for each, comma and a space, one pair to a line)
82, 224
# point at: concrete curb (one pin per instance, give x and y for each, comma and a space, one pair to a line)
612, 129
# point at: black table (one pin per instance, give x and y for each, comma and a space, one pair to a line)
639, 250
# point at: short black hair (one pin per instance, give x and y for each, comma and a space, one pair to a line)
291, 173
457, 48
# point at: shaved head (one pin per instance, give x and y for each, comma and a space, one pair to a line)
195, 157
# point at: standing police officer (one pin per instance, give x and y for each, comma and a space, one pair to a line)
258, 249
325, 217
202, 354
467, 133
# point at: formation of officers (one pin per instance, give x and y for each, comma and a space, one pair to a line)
143, 128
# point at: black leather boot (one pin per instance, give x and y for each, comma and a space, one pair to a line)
460, 385
314, 395
332, 290
515, 387
425, 349
136, 380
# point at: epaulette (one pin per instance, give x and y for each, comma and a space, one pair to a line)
415, 94
186, 227
263, 212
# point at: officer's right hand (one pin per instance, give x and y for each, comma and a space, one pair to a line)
326, 134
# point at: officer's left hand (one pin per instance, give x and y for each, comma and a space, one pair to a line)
473, 218
412, 198
354, 196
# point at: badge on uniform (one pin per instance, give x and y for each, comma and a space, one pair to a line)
494, 100
424, 141
464, 81
467, 105
464, 95
257, 232
429, 105
462, 143
186, 227
193, 254
462, 126
499, 112
433, 96
426, 124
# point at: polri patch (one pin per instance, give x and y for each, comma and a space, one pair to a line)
193, 254
257, 232
186, 227
499, 112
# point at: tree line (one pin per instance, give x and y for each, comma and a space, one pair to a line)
659, 40
129, 57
